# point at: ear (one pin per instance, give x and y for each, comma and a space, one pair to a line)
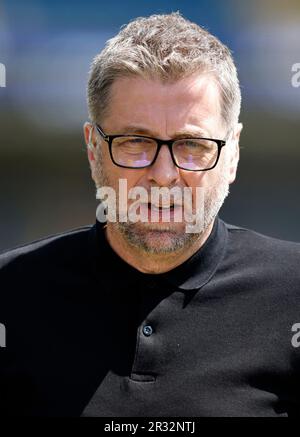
234, 144
88, 130
90, 141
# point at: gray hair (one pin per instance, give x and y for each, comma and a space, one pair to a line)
168, 47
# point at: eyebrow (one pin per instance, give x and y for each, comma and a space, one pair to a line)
139, 130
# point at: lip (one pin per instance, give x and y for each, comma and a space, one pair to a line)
161, 207
160, 214
151, 213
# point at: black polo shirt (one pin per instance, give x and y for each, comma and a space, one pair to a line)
89, 335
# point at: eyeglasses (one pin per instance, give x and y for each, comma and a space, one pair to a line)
138, 151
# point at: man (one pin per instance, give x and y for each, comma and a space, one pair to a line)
146, 317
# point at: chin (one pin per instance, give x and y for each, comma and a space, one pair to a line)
159, 242
159, 238
163, 227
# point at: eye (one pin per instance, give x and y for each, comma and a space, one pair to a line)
191, 143
132, 141
138, 140
195, 144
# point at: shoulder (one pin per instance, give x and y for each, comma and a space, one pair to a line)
38, 277
248, 247
53, 247
259, 240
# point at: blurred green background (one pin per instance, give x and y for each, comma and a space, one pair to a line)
47, 47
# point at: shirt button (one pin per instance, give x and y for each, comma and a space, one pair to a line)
147, 330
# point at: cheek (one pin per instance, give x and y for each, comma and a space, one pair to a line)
196, 179
201, 180
126, 179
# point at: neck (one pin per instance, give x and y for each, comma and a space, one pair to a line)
152, 263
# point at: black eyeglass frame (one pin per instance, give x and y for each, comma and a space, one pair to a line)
109, 139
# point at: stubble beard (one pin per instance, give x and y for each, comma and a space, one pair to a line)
166, 238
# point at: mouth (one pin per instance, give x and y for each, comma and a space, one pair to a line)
156, 213
161, 207
164, 213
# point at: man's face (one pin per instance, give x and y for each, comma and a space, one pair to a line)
189, 107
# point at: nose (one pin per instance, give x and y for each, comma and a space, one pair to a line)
163, 172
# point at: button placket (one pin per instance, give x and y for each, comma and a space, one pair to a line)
148, 344
144, 355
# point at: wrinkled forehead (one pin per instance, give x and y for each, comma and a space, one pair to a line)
193, 100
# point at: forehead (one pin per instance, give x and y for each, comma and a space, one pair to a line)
191, 101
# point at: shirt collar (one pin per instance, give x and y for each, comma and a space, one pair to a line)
193, 274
